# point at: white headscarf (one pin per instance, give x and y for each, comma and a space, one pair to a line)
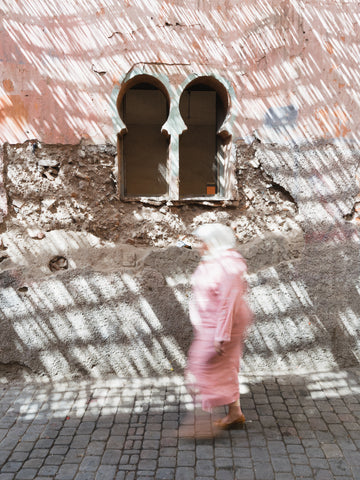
218, 237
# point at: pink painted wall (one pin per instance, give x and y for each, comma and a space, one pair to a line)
60, 63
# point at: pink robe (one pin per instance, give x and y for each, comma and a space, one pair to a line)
218, 311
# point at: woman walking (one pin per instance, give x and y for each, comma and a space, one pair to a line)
220, 316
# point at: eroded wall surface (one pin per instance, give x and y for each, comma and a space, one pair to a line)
91, 284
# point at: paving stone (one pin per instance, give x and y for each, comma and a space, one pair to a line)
204, 451
222, 452
63, 440
67, 472
33, 463
26, 474
106, 472
223, 462
281, 464
141, 474
8, 443
150, 434
164, 452
302, 470
243, 462
85, 476
337, 430
165, 474
129, 476
90, 463
257, 440
205, 468
331, 450
324, 475
319, 464
111, 457
186, 444
86, 428
284, 476
116, 442
297, 458
48, 471
339, 467
74, 455
264, 471
185, 459
54, 460
276, 448
312, 452
18, 456
100, 434
168, 442
185, 473
260, 454
80, 441
59, 450
95, 448
295, 449
167, 462
244, 474
23, 447
325, 437
152, 444
11, 467
127, 467
224, 474
44, 443
147, 465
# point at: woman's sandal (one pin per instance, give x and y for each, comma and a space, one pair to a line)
224, 424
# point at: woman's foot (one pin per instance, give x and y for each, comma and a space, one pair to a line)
234, 417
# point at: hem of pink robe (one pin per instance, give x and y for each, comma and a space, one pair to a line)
207, 405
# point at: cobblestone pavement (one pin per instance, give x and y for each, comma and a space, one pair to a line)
298, 427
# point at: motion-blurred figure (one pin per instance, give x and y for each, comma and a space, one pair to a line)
220, 316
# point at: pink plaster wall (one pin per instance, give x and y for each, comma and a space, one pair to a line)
60, 62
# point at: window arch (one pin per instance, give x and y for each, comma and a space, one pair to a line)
174, 143
203, 107
144, 108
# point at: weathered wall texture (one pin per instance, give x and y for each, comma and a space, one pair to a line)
292, 64
91, 284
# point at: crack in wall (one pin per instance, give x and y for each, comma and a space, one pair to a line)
165, 25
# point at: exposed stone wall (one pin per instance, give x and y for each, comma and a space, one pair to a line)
73, 187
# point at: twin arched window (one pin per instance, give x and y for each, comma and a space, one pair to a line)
173, 151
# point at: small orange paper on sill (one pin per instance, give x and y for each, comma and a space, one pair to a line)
210, 190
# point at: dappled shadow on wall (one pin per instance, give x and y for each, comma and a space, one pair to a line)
82, 321
306, 318
73, 64
134, 322
307, 307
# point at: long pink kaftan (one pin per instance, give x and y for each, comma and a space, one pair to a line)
218, 311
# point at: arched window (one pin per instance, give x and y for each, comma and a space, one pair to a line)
179, 149
144, 149
201, 159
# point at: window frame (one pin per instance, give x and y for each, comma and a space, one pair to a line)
173, 128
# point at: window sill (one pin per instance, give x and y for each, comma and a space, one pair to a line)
206, 201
